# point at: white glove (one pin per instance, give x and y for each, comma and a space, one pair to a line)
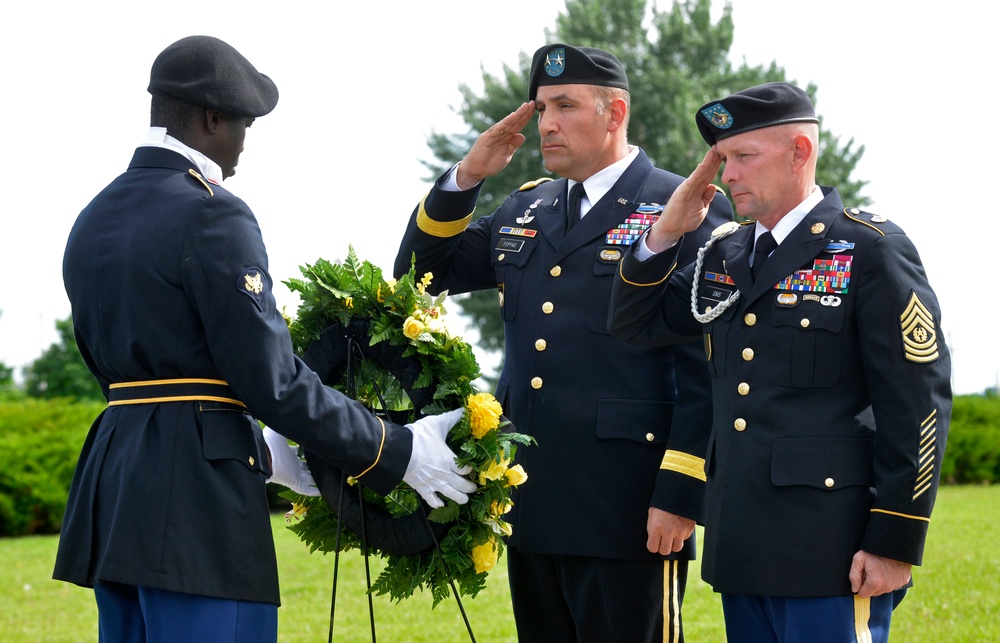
286, 466
432, 468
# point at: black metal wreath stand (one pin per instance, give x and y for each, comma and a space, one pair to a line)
354, 353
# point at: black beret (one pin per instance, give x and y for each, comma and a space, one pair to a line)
207, 72
561, 64
761, 106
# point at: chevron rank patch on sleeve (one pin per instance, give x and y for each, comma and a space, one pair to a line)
919, 332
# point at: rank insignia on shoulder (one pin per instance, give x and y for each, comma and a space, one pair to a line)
252, 284
533, 184
919, 332
725, 228
875, 218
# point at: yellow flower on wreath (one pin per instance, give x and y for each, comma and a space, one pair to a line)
484, 556
498, 509
516, 475
495, 471
484, 413
412, 327
424, 282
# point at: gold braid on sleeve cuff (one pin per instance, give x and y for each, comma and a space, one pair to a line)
443, 229
685, 464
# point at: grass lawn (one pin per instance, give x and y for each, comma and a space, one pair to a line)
956, 596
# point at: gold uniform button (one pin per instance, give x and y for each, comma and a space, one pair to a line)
547, 307
804, 323
828, 482
251, 460
650, 437
743, 388
556, 271
747, 354
750, 319
501, 256
536, 382
540, 344
740, 424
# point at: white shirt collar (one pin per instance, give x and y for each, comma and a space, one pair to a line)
793, 218
158, 137
598, 185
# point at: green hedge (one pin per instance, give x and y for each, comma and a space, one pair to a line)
973, 451
40, 442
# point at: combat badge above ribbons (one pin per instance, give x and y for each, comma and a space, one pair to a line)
919, 332
251, 283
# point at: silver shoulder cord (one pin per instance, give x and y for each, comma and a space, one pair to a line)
715, 311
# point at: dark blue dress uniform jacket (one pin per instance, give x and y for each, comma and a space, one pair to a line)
167, 276
799, 477
617, 431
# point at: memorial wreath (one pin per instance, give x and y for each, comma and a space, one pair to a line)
385, 343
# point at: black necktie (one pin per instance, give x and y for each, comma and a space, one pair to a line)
573, 205
764, 246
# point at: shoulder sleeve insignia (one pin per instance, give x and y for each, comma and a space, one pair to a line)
919, 332
202, 180
532, 184
251, 283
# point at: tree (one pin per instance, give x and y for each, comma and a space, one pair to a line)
61, 371
674, 66
6, 378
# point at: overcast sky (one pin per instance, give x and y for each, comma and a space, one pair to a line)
337, 162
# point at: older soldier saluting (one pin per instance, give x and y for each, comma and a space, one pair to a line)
831, 394
167, 517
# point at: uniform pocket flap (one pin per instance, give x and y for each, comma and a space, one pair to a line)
825, 463
646, 421
231, 435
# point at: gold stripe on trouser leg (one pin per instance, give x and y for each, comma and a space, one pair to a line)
671, 603
862, 614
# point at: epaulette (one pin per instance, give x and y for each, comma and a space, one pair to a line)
532, 184
726, 228
202, 181
876, 222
